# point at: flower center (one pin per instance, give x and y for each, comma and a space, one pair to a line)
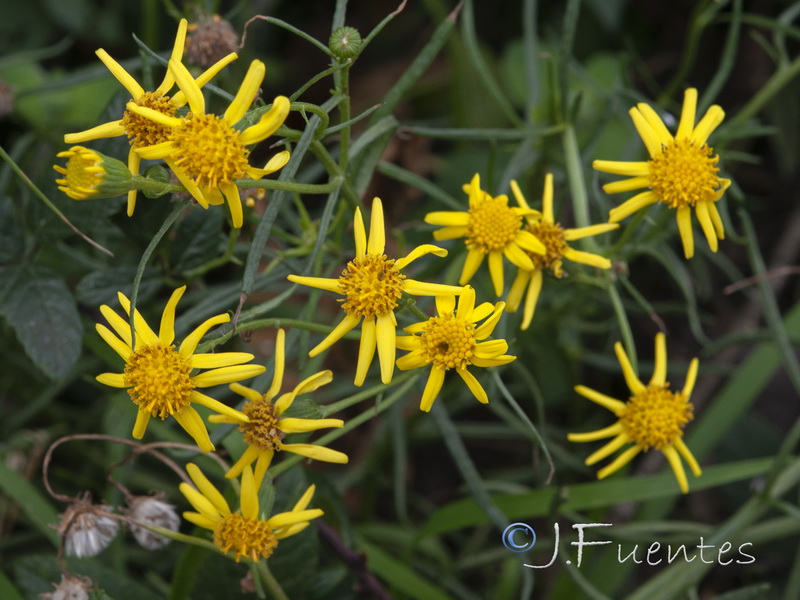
143, 132
449, 342
492, 224
655, 417
83, 173
248, 538
159, 381
209, 150
262, 430
552, 236
684, 174
372, 284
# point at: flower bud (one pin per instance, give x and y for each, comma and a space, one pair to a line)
151, 510
345, 42
90, 174
85, 529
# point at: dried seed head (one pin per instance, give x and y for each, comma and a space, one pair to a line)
151, 510
70, 588
210, 41
85, 529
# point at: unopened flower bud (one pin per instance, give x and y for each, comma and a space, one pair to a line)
345, 42
151, 510
85, 529
89, 174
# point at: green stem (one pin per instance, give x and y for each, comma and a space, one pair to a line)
268, 579
765, 94
331, 409
624, 324
290, 186
156, 188
333, 168
577, 184
276, 322
344, 117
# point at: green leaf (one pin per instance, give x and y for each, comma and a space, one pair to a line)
197, 240
10, 232
40, 308
8, 591
32, 502
101, 287
398, 574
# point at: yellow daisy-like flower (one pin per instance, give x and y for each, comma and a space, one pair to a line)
372, 284
653, 417
490, 227
206, 152
554, 237
142, 132
243, 534
267, 426
681, 173
89, 174
159, 377
454, 340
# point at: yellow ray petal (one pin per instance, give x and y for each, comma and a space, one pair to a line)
106, 130
681, 447
660, 370
120, 347
305, 499
449, 233
491, 348
334, 336
496, 271
619, 462
474, 260
608, 449
432, 388
166, 332
466, 303
517, 257
547, 199
200, 520
474, 386
321, 283
143, 331
634, 384
593, 436
290, 518
189, 344
293, 425
188, 86
688, 111
485, 329
448, 218
627, 185
280, 364
716, 219
223, 375
528, 241
612, 404
359, 233
377, 233
422, 288
317, 453
684, 217
248, 457
268, 124
191, 421
178, 99
417, 252
706, 224
116, 380
407, 342
275, 163
200, 503
234, 201
618, 167
677, 467
414, 360
587, 258
520, 198
366, 350
495, 361
134, 162
247, 92
517, 290
445, 304
208, 490
691, 376
579, 233
632, 205
129, 83
153, 115
531, 298
187, 182
710, 121
646, 132
314, 382
142, 419
220, 359
217, 406
655, 122
248, 497
262, 464
386, 333
249, 393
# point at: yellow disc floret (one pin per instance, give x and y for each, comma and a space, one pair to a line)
655, 417
372, 286
684, 174
209, 151
143, 132
159, 380
552, 236
247, 538
262, 430
492, 224
449, 342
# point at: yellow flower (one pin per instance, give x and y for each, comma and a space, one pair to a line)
267, 426
243, 534
453, 340
653, 417
89, 174
159, 378
142, 132
372, 285
206, 152
555, 238
490, 227
681, 172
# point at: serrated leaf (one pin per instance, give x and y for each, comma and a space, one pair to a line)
42, 312
101, 287
197, 240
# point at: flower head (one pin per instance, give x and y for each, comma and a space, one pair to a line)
490, 227
151, 510
454, 340
243, 534
143, 132
266, 428
681, 173
372, 285
653, 417
87, 528
89, 174
159, 377
554, 237
206, 152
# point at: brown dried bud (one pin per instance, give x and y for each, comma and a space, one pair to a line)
210, 41
70, 588
151, 510
85, 529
